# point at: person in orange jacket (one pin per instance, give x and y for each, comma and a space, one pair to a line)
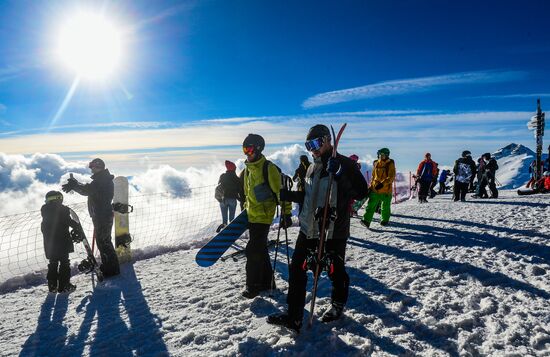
427, 170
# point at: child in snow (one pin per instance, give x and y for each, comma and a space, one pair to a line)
56, 221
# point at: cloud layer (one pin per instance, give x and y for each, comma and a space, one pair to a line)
405, 86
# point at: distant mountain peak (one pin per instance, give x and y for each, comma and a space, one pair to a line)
513, 150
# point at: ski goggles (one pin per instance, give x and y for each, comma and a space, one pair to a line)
249, 150
314, 144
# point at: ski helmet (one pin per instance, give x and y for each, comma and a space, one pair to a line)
54, 196
384, 151
427, 155
466, 153
318, 131
254, 140
97, 162
354, 157
487, 156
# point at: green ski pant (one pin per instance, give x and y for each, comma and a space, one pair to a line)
374, 199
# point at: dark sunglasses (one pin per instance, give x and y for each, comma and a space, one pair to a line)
314, 144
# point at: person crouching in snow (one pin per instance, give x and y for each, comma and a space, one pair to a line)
56, 221
383, 175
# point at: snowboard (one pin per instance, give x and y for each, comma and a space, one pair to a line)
121, 210
217, 246
88, 265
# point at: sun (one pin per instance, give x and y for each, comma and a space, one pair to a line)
90, 45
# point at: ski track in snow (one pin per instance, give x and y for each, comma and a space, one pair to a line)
444, 279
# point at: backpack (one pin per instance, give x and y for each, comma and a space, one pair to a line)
464, 172
427, 171
262, 189
218, 193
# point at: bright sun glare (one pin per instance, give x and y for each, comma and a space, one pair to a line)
90, 45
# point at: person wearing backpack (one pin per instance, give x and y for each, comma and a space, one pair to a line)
383, 175
464, 169
228, 191
425, 173
261, 187
490, 169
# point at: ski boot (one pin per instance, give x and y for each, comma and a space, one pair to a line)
69, 288
283, 319
334, 313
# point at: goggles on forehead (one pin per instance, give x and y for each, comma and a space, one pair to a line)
249, 150
314, 144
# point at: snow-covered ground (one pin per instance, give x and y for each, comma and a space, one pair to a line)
444, 278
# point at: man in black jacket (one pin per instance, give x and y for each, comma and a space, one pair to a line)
55, 225
348, 184
100, 194
490, 171
464, 170
300, 173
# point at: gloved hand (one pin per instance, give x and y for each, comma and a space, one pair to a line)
285, 221
331, 214
71, 184
334, 167
379, 186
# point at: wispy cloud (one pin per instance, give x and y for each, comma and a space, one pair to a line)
512, 96
411, 85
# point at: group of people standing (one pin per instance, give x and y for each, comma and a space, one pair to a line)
468, 177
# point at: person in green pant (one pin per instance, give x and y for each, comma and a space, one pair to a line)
383, 175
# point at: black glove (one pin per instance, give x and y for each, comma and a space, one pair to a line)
71, 184
378, 186
334, 167
285, 195
285, 221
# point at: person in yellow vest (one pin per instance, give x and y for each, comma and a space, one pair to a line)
261, 187
383, 175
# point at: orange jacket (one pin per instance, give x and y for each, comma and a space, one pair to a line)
421, 167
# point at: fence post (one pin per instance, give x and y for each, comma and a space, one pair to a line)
368, 178
410, 185
394, 192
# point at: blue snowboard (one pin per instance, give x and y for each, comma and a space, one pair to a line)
214, 249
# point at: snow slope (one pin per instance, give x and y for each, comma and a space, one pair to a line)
444, 279
513, 161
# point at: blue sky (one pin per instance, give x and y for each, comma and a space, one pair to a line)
414, 76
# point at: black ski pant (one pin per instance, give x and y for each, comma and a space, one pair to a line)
259, 272
297, 282
59, 272
424, 190
442, 188
109, 259
492, 187
460, 190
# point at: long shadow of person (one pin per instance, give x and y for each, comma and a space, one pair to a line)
112, 335
50, 335
359, 302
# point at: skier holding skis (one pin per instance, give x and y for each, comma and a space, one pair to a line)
348, 184
425, 172
383, 175
56, 222
262, 184
231, 188
100, 194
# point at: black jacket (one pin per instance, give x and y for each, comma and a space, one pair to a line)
350, 185
100, 194
56, 221
232, 185
491, 167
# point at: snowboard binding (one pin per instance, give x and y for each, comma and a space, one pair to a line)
123, 208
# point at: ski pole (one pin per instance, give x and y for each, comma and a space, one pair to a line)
276, 251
